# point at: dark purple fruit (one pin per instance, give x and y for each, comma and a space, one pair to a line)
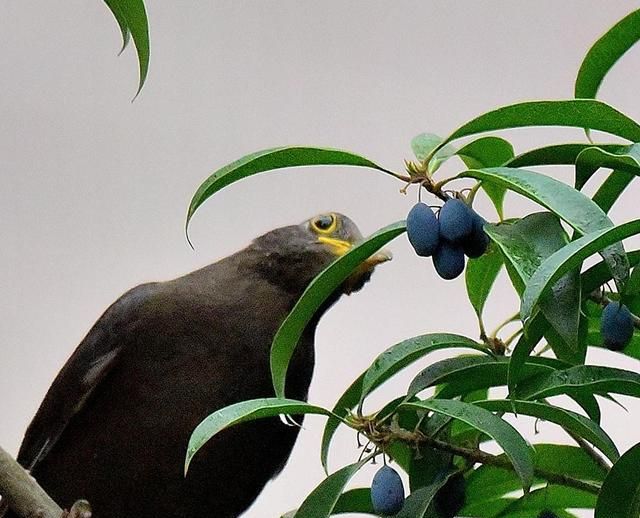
448, 260
477, 242
616, 326
387, 492
423, 229
547, 514
456, 220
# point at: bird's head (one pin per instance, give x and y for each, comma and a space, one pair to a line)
297, 253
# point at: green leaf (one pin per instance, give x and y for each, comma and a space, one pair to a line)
487, 483
596, 379
322, 286
114, 7
578, 113
132, 18
323, 499
620, 493
419, 500
408, 351
525, 244
479, 276
423, 144
569, 258
571, 421
551, 497
354, 501
611, 189
242, 412
386, 365
514, 446
605, 52
591, 159
464, 374
632, 288
273, 159
557, 154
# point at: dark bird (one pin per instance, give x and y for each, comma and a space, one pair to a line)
114, 426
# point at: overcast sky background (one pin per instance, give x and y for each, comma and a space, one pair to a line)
95, 189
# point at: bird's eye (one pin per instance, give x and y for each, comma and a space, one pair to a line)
324, 224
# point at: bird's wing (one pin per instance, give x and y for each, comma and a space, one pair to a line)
90, 363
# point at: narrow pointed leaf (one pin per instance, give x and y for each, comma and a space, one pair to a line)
605, 52
620, 494
324, 284
242, 412
578, 113
557, 154
323, 499
514, 446
419, 500
593, 158
479, 276
114, 7
386, 365
611, 189
132, 15
594, 378
271, 160
572, 421
569, 258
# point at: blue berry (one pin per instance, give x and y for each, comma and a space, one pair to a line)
449, 260
387, 492
477, 242
616, 326
423, 229
456, 220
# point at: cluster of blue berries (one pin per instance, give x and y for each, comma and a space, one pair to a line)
456, 232
616, 326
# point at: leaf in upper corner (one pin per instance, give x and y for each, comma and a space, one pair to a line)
604, 53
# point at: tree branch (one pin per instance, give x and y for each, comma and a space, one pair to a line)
27, 498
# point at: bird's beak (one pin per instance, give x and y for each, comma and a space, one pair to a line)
340, 247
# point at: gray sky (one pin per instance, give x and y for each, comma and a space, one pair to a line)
95, 189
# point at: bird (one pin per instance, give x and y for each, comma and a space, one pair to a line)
114, 426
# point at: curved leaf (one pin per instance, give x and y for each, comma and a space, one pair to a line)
596, 379
132, 19
479, 276
322, 286
605, 52
578, 113
242, 412
525, 244
620, 493
406, 352
420, 499
572, 421
323, 499
270, 160
514, 446
387, 364
593, 158
557, 154
611, 189
569, 258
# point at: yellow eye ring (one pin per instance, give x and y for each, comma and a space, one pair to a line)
324, 224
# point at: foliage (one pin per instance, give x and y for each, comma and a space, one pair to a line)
436, 438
